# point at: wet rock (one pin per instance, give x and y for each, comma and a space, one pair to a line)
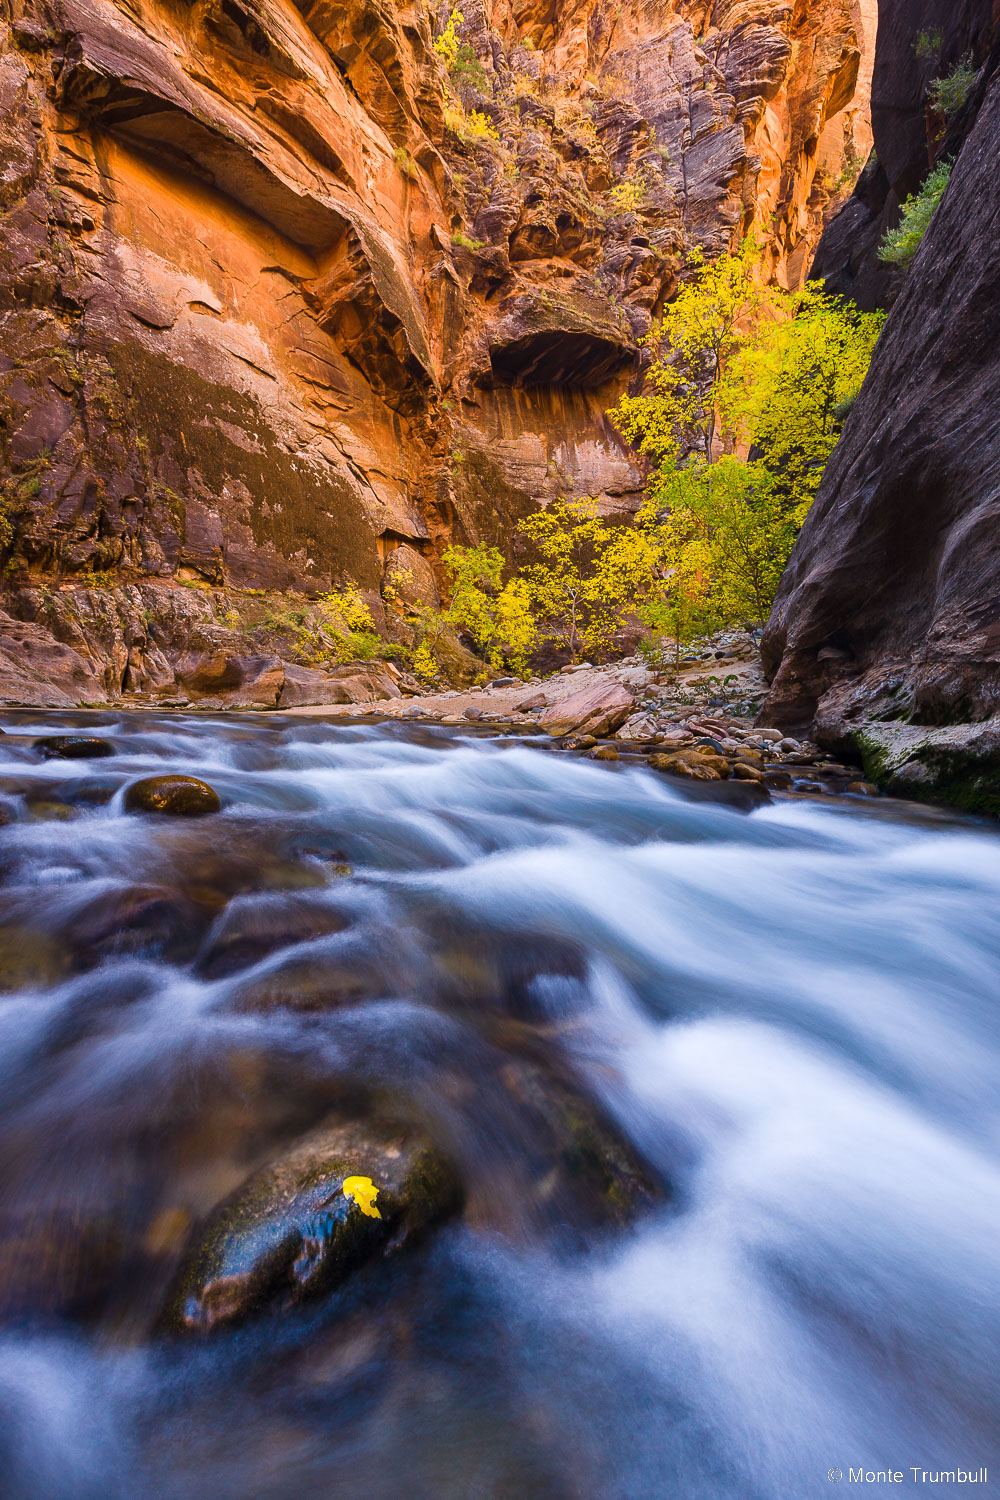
862, 789
31, 958
702, 765
139, 921
176, 796
580, 742
778, 781
597, 709
307, 982
745, 772
578, 1172
605, 752
49, 810
54, 1263
90, 791
73, 747
350, 1194
251, 927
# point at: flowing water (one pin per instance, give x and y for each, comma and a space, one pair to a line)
787, 1012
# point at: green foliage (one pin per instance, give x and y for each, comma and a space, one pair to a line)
691, 346
785, 392
346, 615
404, 161
928, 44
497, 616
900, 245
948, 94
466, 241
738, 369
468, 70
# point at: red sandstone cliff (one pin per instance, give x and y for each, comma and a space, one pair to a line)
276, 311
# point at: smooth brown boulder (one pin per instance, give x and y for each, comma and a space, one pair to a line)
72, 747
699, 765
349, 1194
175, 796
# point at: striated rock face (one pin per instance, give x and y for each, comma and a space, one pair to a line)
918, 41
887, 624
278, 310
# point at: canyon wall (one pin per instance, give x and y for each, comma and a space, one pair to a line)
885, 635
285, 302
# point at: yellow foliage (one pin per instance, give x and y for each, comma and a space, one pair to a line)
740, 368
447, 44
364, 1192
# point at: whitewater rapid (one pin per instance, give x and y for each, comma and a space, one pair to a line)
790, 1011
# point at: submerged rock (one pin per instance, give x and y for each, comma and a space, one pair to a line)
73, 747
178, 796
350, 1194
252, 927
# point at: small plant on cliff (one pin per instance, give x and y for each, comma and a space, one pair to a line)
471, 127
447, 44
948, 94
404, 161
899, 246
628, 196
928, 44
466, 242
345, 614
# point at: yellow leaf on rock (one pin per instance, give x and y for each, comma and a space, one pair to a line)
363, 1191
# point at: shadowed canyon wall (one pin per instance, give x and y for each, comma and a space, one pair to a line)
282, 305
886, 631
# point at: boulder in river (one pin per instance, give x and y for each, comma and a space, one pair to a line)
349, 1194
177, 796
596, 709
73, 747
701, 765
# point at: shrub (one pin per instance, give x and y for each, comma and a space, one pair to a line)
900, 245
404, 161
928, 44
466, 241
629, 196
948, 94
468, 70
447, 44
474, 126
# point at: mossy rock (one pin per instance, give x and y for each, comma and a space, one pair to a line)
957, 764
350, 1194
173, 796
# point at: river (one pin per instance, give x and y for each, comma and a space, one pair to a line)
786, 1013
